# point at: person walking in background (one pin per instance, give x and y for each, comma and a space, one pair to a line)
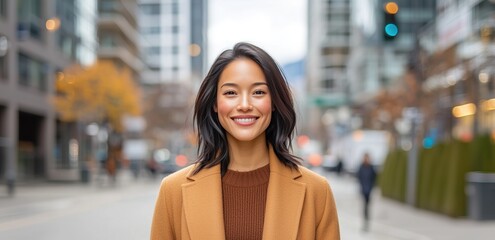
340, 166
366, 176
246, 184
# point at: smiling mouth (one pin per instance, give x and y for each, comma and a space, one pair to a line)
245, 120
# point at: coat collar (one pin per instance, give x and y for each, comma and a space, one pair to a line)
284, 201
203, 207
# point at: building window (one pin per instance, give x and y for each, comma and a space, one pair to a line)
66, 13
175, 50
334, 51
3, 67
338, 17
151, 51
151, 30
150, 9
175, 69
67, 42
108, 41
108, 6
175, 29
30, 22
32, 73
328, 84
3, 8
175, 8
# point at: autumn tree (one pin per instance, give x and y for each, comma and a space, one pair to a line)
99, 93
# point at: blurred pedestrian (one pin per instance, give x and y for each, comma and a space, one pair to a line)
152, 166
366, 175
340, 166
246, 184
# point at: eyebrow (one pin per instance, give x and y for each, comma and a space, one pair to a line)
235, 84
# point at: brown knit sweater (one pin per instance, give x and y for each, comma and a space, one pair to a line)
244, 201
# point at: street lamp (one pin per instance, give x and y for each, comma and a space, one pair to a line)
10, 168
4, 45
52, 24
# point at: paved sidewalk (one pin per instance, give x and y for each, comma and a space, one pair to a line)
46, 192
393, 220
98, 210
390, 220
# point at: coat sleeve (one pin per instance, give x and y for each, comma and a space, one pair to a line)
161, 226
328, 227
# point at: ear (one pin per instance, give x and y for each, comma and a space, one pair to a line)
215, 108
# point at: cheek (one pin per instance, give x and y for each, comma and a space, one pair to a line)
265, 106
224, 107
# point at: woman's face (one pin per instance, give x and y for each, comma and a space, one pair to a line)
244, 105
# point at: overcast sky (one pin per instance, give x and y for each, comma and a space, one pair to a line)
277, 26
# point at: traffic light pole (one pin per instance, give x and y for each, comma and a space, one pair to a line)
412, 161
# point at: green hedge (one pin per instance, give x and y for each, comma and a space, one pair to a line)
482, 149
392, 179
441, 176
422, 183
454, 203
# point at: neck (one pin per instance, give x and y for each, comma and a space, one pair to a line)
247, 156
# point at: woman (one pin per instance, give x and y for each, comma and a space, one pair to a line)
245, 183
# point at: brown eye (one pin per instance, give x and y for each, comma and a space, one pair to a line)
230, 92
259, 92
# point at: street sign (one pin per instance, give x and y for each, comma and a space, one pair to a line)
327, 100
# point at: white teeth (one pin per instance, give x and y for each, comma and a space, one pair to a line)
244, 120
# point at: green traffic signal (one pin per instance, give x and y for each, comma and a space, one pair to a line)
391, 30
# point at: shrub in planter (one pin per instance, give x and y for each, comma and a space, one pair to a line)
454, 203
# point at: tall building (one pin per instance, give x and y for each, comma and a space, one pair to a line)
173, 40
173, 45
199, 41
118, 34
38, 38
328, 53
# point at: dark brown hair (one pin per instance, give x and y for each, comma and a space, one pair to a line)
212, 139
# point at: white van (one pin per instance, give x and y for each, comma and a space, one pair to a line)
352, 147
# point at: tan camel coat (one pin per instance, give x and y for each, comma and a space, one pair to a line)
299, 205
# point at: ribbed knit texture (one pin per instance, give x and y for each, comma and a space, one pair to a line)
244, 201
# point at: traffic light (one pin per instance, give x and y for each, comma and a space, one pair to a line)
390, 26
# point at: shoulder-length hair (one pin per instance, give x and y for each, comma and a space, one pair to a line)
212, 139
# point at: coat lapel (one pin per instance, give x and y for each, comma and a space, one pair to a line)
285, 198
203, 204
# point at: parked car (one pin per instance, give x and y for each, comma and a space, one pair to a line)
167, 162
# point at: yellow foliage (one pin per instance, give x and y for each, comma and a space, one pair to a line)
99, 92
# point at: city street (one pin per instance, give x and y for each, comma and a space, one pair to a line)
75, 211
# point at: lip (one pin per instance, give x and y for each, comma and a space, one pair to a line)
248, 120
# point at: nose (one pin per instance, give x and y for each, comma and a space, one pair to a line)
244, 104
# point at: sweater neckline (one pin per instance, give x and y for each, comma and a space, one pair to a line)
247, 179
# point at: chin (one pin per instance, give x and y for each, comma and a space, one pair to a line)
245, 137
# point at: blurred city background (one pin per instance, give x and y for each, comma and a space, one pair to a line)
96, 102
